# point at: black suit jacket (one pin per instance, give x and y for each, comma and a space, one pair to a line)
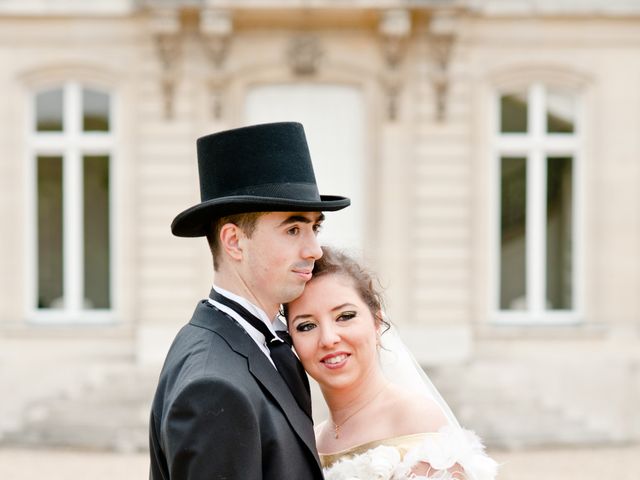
222, 411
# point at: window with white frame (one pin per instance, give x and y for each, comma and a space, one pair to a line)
71, 149
537, 155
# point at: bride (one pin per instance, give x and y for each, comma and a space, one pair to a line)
386, 419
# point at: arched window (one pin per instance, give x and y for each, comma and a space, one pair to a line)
71, 148
537, 151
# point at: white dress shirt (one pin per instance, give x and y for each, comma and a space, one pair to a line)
273, 325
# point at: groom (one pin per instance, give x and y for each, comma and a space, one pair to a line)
232, 400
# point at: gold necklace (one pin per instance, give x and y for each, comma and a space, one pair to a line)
336, 427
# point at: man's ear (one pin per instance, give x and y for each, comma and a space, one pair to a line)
230, 240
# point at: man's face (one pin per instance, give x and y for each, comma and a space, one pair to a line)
278, 258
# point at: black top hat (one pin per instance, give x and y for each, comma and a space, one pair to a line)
261, 168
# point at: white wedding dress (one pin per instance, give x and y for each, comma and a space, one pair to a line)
450, 453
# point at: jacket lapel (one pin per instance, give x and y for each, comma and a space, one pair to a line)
206, 316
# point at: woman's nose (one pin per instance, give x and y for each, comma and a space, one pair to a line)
329, 336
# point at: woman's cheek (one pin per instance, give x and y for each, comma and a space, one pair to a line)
304, 349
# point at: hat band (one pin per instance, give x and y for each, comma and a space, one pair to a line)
289, 191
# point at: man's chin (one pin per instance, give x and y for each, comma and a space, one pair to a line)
294, 293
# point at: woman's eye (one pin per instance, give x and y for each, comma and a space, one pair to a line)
344, 316
304, 327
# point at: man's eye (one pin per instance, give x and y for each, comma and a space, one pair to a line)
344, 316
317, 228
304, 327
293, 231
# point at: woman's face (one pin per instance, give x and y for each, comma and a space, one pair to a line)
334, 332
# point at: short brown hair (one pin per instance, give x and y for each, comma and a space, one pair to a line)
246, 221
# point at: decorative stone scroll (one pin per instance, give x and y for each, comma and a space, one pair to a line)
394, 28
213, 34
441, 38
167, 32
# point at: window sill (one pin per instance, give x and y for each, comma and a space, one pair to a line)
547, 318
72, 318
569, 329
59, 326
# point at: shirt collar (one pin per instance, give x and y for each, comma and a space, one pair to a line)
276, 323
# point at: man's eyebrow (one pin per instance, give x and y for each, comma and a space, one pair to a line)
301, 219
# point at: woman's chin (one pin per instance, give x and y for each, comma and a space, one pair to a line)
334, 384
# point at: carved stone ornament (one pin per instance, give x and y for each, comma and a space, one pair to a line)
441, 50
217, 85
304, 54
216, 30
213, 33
166, 28
441, 39
169, 52
393, 87
394, 29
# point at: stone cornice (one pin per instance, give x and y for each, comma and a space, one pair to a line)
94, 8
348, 10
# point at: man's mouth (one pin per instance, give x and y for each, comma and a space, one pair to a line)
304, 274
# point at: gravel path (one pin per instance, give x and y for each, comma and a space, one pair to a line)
621, 463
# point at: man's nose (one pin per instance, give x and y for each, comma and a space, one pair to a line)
312, 247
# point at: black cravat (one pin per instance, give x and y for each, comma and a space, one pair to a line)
284, 359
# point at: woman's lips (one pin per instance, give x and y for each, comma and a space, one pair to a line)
335, 360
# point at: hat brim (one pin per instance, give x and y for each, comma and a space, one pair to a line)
196, 221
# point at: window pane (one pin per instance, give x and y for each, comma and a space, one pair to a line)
96, 232
513, 113
95, 111
513, 245
49, 111
560, 112
559, 233
50, 241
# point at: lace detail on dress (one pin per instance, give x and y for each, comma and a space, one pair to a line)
451, 454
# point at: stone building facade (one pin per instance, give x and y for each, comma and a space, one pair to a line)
491, 149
